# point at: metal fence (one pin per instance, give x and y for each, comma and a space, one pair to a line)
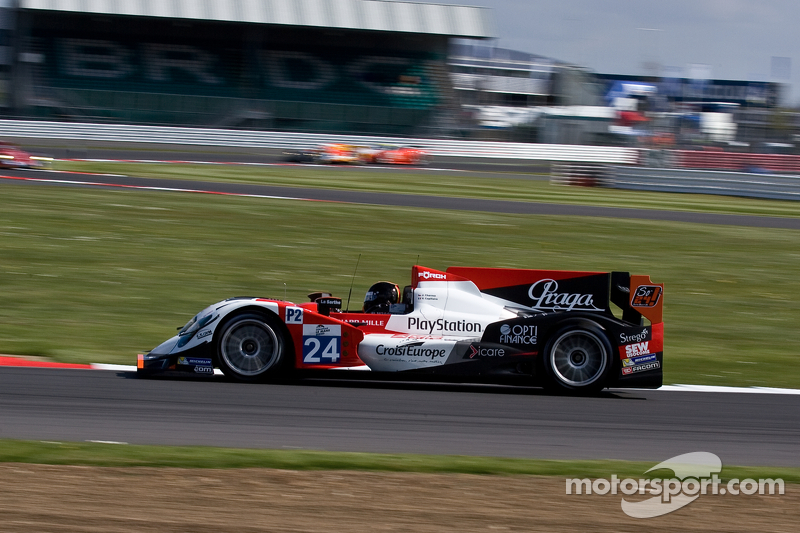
772, 186
126, 133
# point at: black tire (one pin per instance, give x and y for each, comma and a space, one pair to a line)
578, 358
251, 347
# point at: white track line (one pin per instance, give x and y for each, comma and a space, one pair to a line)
168, 189
715, 388
668, 388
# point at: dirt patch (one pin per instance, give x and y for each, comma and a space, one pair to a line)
38, 498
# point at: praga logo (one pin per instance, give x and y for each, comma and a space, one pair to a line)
552, 293
545, 296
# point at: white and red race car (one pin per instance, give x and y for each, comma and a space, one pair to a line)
534, 327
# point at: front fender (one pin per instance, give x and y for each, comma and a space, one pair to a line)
205, 335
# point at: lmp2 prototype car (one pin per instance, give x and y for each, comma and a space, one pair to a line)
537, 327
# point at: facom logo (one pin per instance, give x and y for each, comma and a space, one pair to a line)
431, 275
641, 368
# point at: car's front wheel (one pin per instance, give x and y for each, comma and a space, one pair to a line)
251, 347
578, 359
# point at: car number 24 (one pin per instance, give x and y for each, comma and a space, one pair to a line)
322, 343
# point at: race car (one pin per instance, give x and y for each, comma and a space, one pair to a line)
12, 156
337, 153
556, 329
400, 155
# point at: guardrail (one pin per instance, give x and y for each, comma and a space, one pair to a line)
772, 186
128, 133
736, 162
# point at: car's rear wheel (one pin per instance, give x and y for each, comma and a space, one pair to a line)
578, 359
251, 347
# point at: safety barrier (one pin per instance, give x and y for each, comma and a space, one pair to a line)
737, 162
127, 133
773, 186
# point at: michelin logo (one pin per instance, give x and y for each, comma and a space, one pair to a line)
633, 361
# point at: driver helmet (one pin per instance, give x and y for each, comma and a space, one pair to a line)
381, 296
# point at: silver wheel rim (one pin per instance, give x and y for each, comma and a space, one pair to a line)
249, 347
578, 358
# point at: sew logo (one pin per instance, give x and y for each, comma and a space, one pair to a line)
640, 348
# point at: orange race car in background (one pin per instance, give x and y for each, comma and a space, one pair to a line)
338, 153
399, 155
349, 154
12, 156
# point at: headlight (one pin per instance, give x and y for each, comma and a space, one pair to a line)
185, 329
196, 323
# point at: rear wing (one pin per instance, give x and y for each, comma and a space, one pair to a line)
638, 297
563, 290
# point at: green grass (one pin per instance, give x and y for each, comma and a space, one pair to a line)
117, 455
97, 276
454, 184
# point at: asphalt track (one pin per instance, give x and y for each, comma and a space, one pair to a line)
86, 405
389, 199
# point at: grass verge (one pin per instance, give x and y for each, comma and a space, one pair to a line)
452, 184
117, 455
89, 275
